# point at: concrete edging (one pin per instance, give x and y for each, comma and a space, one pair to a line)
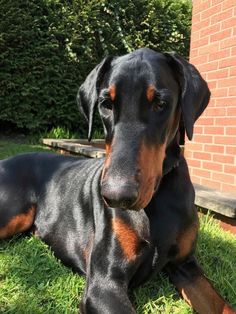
216, 201
81, 147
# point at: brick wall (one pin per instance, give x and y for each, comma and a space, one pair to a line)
212, 153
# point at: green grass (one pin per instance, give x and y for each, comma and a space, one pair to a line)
8, 148
33, 281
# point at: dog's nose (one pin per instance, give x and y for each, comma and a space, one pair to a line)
119, 196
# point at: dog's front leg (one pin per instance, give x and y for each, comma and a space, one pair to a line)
197, 289
107, 277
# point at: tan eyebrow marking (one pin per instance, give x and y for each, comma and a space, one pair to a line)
112, 92
150, 92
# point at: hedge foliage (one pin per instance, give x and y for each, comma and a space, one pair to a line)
47, 47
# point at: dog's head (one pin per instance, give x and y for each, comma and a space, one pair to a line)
141, 97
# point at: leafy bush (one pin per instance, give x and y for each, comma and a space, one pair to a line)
47, 47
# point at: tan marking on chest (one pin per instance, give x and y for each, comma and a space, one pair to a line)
127, 237
18, 224
186, 239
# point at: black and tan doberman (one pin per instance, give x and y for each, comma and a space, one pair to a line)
119, 219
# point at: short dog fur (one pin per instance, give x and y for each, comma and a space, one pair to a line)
120, 219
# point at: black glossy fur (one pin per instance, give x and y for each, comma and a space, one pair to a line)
83, 205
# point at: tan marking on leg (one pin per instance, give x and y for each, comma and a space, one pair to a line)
127, 237
150, 93
112, 92
202, 296
18, 224
186, 240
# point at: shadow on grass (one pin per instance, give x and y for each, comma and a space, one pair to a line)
33, 281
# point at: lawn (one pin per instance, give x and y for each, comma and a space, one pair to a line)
33, 281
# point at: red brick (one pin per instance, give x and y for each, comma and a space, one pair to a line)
226, 121
193, 53
201, 173
225, 159
196, 179
228, 4
188, 154
228, 42
231, 131
231, 111
213, 112
196, 18
203, 138
215, 2
204, 120
229, 23
195, 34
219, 54
229, 188
201, 155
212, 84
230, 169
220, 92
222, 16
231, 150
233, 50
228, 62
198, 129
222, 177
204, 75
200, 26
212, 184
217, 74
194, 146
232, 91
214, 148
229, 101
198, 60
211, 11
214, 130
211, 48
212, 166
200, 42
194, 163
206, 31
200, 7
232, 71
231, 140
221, 35
227, 82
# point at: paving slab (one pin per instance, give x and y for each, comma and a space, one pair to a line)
82, 147
217, 201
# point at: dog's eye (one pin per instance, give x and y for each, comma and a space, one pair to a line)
158, 106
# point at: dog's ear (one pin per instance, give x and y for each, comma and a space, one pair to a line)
87, 96
195, 93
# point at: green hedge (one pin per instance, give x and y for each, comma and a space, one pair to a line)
47, 47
